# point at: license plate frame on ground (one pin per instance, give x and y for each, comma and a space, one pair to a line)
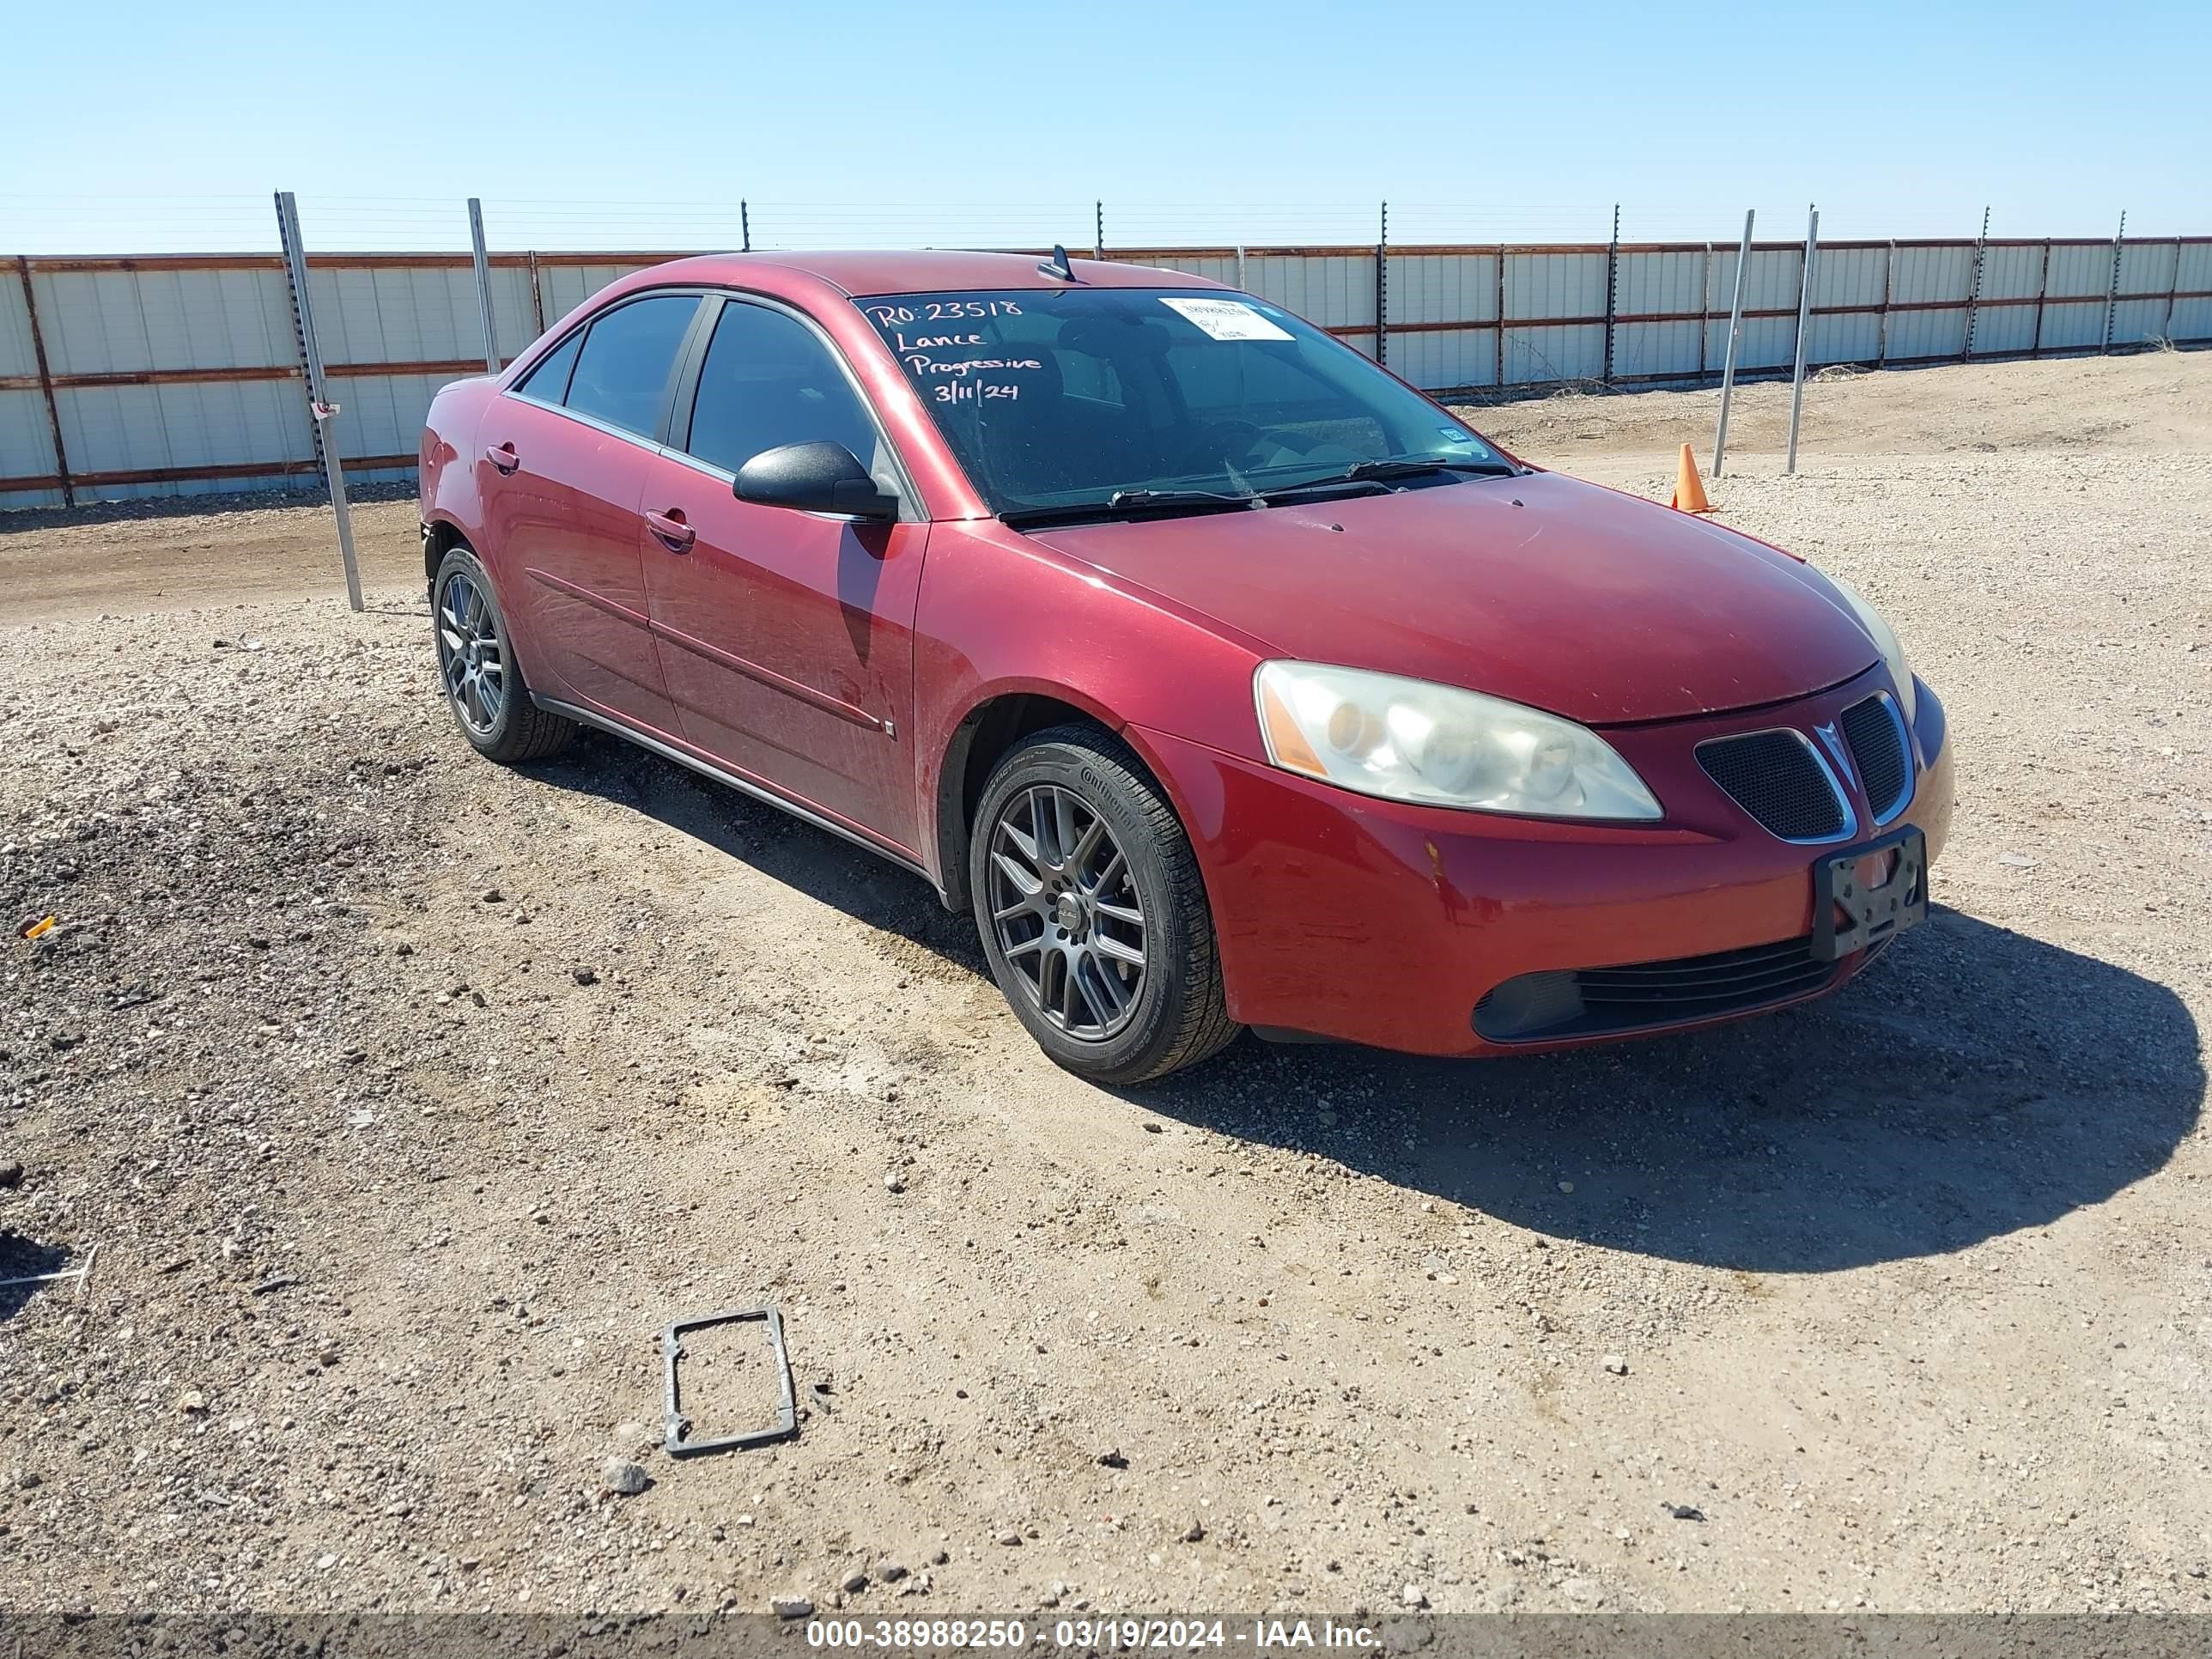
1874, 914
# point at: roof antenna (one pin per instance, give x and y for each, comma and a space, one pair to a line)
1057, 267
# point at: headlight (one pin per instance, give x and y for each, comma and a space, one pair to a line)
1438, 746
1885, 640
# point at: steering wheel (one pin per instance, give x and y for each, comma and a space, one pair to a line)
1238, 441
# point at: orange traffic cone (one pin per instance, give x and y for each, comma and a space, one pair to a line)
1689, 491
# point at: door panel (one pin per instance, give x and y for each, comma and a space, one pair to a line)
563, 527
787, 641
561, 493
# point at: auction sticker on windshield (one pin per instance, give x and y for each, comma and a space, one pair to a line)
1226, 319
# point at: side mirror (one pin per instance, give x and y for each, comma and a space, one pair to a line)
818, 477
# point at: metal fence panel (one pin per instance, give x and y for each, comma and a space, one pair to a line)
26, 448
2079, 269
2193, 319
387, 313
1850, 276
1644, 349
1920, 274
1542, 284
2147, 267
1436, 358
1659, 281
1767, 342
1330, 290
220, 423
1440, 287
2195, 273
2001, 329
121, 322
1850, 336
2135, 321
1571, 352
2074, 325
17, 354
1919, 335
2012, 272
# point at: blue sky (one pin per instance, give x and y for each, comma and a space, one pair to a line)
136, 127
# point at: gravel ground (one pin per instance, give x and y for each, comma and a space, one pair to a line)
405, 1097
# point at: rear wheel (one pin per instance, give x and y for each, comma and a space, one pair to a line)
1092, 911
482, 682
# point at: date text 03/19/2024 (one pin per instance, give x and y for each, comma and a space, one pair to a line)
1093, 1634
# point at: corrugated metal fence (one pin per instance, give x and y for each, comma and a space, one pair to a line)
181, 373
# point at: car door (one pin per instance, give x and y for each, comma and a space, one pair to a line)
563, 465
787, 637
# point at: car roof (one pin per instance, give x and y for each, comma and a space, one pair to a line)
923, 272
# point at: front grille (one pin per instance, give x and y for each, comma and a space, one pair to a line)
1876, 735
1598, 1001
1776, 777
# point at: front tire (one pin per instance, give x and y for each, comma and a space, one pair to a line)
1092, 912
482, 682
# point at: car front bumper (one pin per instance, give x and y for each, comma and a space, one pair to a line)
1363, 920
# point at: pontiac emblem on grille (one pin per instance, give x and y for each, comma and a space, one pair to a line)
1833, 740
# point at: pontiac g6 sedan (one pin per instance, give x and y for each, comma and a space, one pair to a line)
1229, 680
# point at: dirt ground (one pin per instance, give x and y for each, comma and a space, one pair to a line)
405, 1097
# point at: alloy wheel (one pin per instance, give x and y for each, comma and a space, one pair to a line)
1066, 911
471, 655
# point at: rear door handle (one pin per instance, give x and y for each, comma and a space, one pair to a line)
503, 458
676, 534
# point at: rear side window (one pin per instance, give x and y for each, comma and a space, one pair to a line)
623, 369
769, 380
549, 381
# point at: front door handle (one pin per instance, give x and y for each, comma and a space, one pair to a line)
675, 535
503, 458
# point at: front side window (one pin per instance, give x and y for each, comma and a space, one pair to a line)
622, 372
549, 381
1055, 399
769, 380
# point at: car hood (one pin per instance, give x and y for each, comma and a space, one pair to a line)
1559, 594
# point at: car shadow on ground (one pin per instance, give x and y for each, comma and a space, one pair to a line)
24, 1258
813, 861
1973, 1083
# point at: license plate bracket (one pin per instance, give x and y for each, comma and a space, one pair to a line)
1849, 916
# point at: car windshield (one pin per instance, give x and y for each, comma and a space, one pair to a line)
1104, 401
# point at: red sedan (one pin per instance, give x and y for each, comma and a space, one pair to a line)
1228, 679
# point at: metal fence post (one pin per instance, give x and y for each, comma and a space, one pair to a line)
745, 224
483, 284
1383, 288
1705, 310
1239, 268
320, 411
1736, 328
53, 409
1804, 320
536, 295
2172, 293
1612, 288
1974, 294
2042, 298
1888, 291
1500, 341
2112, 285
1098, 230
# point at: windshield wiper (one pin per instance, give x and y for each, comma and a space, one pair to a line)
1128, 504
1376, 475
1412, 466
